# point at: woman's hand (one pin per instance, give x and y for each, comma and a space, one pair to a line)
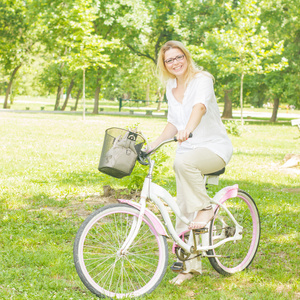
183, 135
150, 147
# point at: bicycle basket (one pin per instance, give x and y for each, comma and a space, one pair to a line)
119, 152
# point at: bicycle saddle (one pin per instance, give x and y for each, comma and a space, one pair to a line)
217, 173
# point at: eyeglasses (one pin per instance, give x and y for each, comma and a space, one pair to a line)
171, 60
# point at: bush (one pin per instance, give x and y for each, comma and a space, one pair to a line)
233, 127
136, 179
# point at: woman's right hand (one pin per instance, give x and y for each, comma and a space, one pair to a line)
183, 135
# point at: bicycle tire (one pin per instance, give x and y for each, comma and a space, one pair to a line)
104, 271
235, 256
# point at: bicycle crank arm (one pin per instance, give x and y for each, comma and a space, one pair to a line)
203, 255
226, 256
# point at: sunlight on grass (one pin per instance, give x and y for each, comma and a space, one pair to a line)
287, 238
49, 182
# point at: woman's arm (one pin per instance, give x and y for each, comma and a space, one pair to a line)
198, 111
169, 132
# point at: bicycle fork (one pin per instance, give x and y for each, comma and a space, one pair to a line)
136, 224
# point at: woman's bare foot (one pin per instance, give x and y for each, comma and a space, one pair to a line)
180, 278
202, 219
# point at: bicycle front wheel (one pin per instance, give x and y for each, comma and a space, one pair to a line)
107, 272
235, 256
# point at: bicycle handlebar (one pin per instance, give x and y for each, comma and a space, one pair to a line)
143, 156
190, 136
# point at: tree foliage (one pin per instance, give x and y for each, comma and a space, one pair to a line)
18, 38
245, 47
251, 47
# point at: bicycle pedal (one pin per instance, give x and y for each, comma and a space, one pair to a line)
201, 230
177, 267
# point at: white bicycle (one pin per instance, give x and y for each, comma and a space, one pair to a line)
121, 249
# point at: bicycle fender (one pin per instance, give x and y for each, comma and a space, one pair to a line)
150, 215
228, 192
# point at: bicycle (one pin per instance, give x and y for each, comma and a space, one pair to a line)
121, 249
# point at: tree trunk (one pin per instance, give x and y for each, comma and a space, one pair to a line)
68, 94
275, 109
10, 84
241, 98
60, 88
58, 96
227, 112
77, 98
97, 92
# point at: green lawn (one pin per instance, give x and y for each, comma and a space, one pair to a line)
49, 183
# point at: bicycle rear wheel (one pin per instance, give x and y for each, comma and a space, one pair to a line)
105, 271
235, 256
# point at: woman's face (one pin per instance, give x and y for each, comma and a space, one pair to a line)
175, 62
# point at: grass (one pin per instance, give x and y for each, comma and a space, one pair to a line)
49, 183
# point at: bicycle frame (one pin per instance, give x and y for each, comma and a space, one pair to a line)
155, 192
121, 250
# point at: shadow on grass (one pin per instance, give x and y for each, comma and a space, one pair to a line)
276, 259
274, 201
44, 200
98, 180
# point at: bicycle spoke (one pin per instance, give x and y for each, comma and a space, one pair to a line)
99, 265
110, 272
137, 272
235, 255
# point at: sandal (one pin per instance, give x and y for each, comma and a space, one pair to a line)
206, 212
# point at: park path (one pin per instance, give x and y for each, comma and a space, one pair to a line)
246, 114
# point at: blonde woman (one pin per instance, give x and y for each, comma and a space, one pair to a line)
192, 108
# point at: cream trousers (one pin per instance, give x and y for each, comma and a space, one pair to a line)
190, 168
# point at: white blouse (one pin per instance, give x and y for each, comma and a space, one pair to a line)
211, 132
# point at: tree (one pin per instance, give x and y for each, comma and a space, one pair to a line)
281, 17
54, 78
18, 27
68, 93
68, 33
245, 48
141, 28
134, 80
192, 21
89, 56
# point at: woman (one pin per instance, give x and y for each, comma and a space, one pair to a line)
192, 108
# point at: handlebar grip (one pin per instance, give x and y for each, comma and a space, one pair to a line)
190, 136
142, 158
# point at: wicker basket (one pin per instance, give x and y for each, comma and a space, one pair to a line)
119, 152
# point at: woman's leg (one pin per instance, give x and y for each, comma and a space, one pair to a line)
190, 168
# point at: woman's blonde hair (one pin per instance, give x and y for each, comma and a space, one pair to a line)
192, 68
